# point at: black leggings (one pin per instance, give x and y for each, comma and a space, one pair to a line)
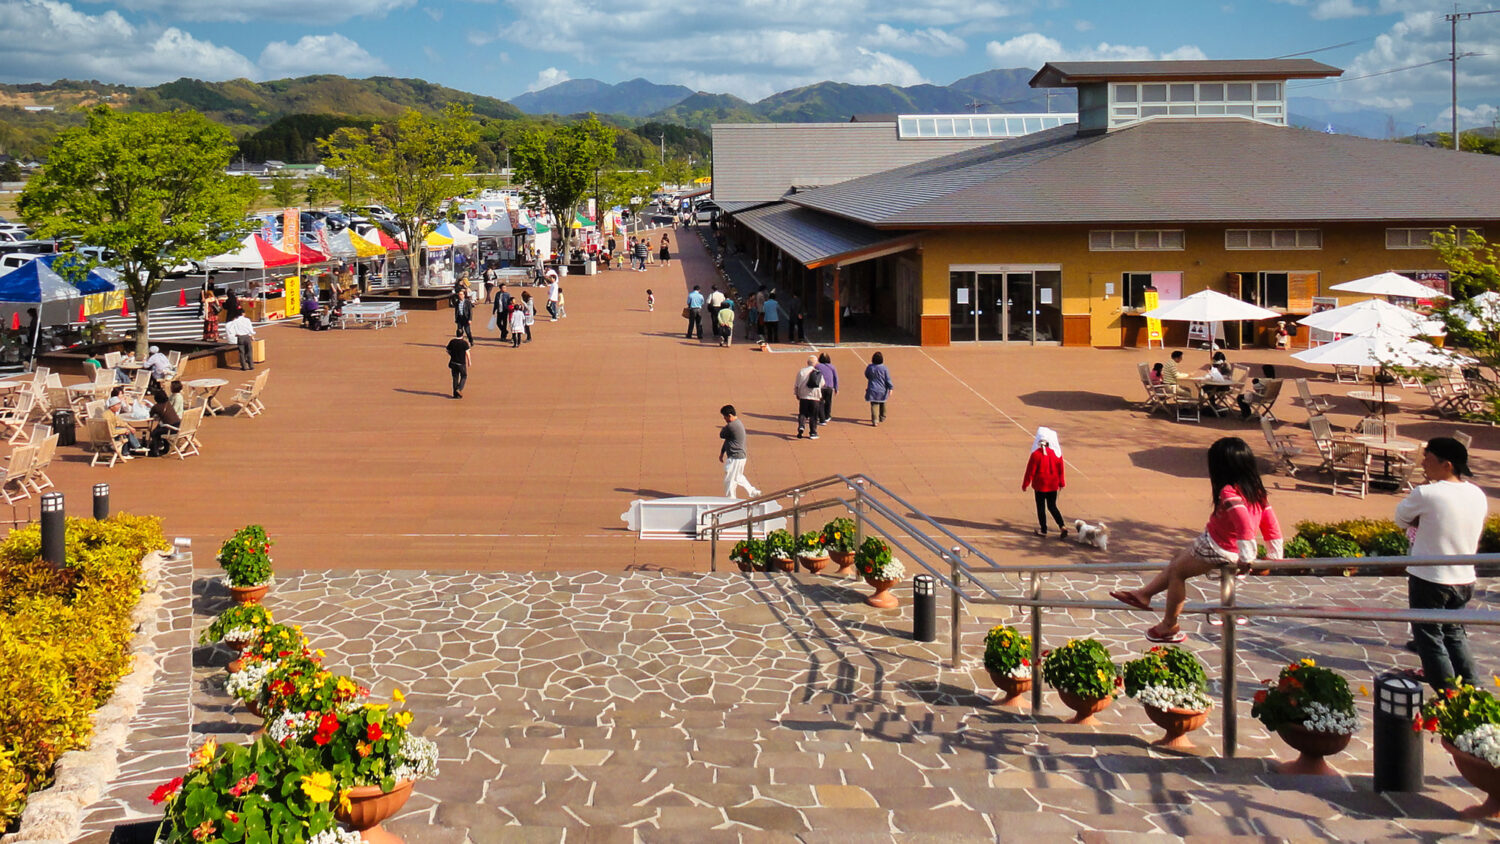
1045, 502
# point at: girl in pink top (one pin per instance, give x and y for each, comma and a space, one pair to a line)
1240, 508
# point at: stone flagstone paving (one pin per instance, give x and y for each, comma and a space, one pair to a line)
596, 706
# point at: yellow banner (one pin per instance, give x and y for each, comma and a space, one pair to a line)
1153, 325
293, 295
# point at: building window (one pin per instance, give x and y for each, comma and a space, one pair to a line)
1273, 239
1263, 101
910, 127
1136, 240
1422, 238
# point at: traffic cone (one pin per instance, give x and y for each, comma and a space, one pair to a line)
15, 321
82, 317
124, 307
182, 298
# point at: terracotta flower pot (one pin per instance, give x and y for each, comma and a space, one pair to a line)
1084, 708
237, 664
1483, 776
369, 807
783, 564
814, 565
1178, 723
744, 566
1012, 689
1312, 747
844, 560
255, 708
882, 599
249, 594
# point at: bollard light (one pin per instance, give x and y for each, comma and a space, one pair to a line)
924, 608
182, 546
1398, 749
54, 529
101, 501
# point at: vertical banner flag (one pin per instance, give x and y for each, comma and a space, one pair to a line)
321, 229
1153, 325
291, 233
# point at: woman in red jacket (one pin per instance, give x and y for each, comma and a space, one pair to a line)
1044, 475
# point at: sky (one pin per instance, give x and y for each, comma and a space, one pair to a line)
752, 48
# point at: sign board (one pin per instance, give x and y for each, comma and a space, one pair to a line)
1151, 299
1319, 305
963, 295
291, 231
1205, 333
1436, 279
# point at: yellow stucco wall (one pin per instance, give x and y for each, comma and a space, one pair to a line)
1349, 251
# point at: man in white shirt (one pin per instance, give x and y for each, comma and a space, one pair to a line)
240, 331
1448, 514
554, 284
809, 392
158, 364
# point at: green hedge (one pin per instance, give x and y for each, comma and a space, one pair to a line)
1368, 538
63, 642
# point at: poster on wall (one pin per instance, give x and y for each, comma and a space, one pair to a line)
1319, 305
1436, 279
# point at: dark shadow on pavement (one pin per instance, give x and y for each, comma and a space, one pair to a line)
1179, 461
1073, 400
648, 493
423, 393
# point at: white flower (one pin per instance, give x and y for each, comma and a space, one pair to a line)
293, 726
892, 570
1482, 741
416, 759
247, 684
238, 636
1321, 719
335, 836
1020, 672
227, 583
1166, 697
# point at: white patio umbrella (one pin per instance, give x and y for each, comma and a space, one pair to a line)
1379, 348
1209, 306
1366, 316
1388, 284
1482, 312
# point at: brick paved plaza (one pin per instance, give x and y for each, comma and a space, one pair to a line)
470, 553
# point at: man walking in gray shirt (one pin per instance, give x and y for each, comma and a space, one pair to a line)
732, 454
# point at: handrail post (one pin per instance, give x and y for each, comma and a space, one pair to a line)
1036, 647
859, 512
713, 544
796, 513
1226, 599
953, 632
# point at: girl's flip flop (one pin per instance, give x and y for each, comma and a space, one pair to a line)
1130, 600
1168, 639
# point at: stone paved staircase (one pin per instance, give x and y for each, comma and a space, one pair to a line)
642, 707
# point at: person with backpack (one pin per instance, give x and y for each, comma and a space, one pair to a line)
808, 388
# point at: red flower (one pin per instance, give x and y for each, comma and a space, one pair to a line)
1431, 725
231, 817
165, 791
1260, 696
326, 728
1026, 662
1416, 724
244, 785
373, 733
1450, 693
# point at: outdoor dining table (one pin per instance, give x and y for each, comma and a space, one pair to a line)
1387, 447
1213, 394
1373, 400
8, 390
208, 389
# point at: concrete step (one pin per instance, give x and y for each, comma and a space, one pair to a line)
171, 323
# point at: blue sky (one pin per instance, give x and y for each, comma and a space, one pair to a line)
750, 48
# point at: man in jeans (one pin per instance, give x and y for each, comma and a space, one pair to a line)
1448, 514
732, 454
808, 388
695, 312
241, 332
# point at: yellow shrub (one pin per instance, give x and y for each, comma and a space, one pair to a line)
63, 638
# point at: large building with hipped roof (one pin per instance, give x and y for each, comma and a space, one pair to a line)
1177, 176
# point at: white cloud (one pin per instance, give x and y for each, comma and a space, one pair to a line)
1336, 9
53, 39
280, 10
318, 54
1034, 49
931, 41
549, 77
1082, 25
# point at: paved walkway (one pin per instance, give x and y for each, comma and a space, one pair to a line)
363, 461
642, 707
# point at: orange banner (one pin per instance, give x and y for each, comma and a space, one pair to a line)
291, 231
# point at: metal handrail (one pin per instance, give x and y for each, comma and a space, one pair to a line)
918, 546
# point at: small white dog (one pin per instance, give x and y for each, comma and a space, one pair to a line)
1095, 535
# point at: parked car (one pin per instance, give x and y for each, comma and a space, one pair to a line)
705, 211
16, 260
14, 235
379, 212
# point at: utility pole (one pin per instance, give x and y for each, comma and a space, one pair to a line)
1453, 58
973, 105
663, 149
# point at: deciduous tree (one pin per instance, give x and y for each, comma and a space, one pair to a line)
558, 166
1474, 268
410, 166
151, 188
284, 190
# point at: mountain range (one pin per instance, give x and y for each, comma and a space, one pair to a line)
1000, 90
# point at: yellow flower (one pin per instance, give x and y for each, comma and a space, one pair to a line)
347, 686
401, 698
318, 786
344, 802
403, 719
1497, 679
204, 754
1308, 662
1363, 691
1100, 672
320, 653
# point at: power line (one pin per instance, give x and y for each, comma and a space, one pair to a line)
1325, 49
1377, 73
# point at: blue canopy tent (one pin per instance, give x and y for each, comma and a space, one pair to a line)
98, 280
35, 283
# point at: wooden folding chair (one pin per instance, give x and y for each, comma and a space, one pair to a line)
38, 479
1189, 406
136, 391
1262, 403
16, 486
13, 419
1282, 449
1345, 374
1351, 473
1314, 404
1464, 437
100, 439
248, 395
184, 441
1330, 450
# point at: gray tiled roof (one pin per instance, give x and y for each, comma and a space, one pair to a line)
1173, 170
1067, 74
810, 237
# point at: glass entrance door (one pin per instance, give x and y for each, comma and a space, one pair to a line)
1016, 307
990, 318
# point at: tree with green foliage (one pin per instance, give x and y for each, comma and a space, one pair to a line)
10, 171
629, 189
1474, 268
559, 165
322, 190
284, 190
410, 166
151, 188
